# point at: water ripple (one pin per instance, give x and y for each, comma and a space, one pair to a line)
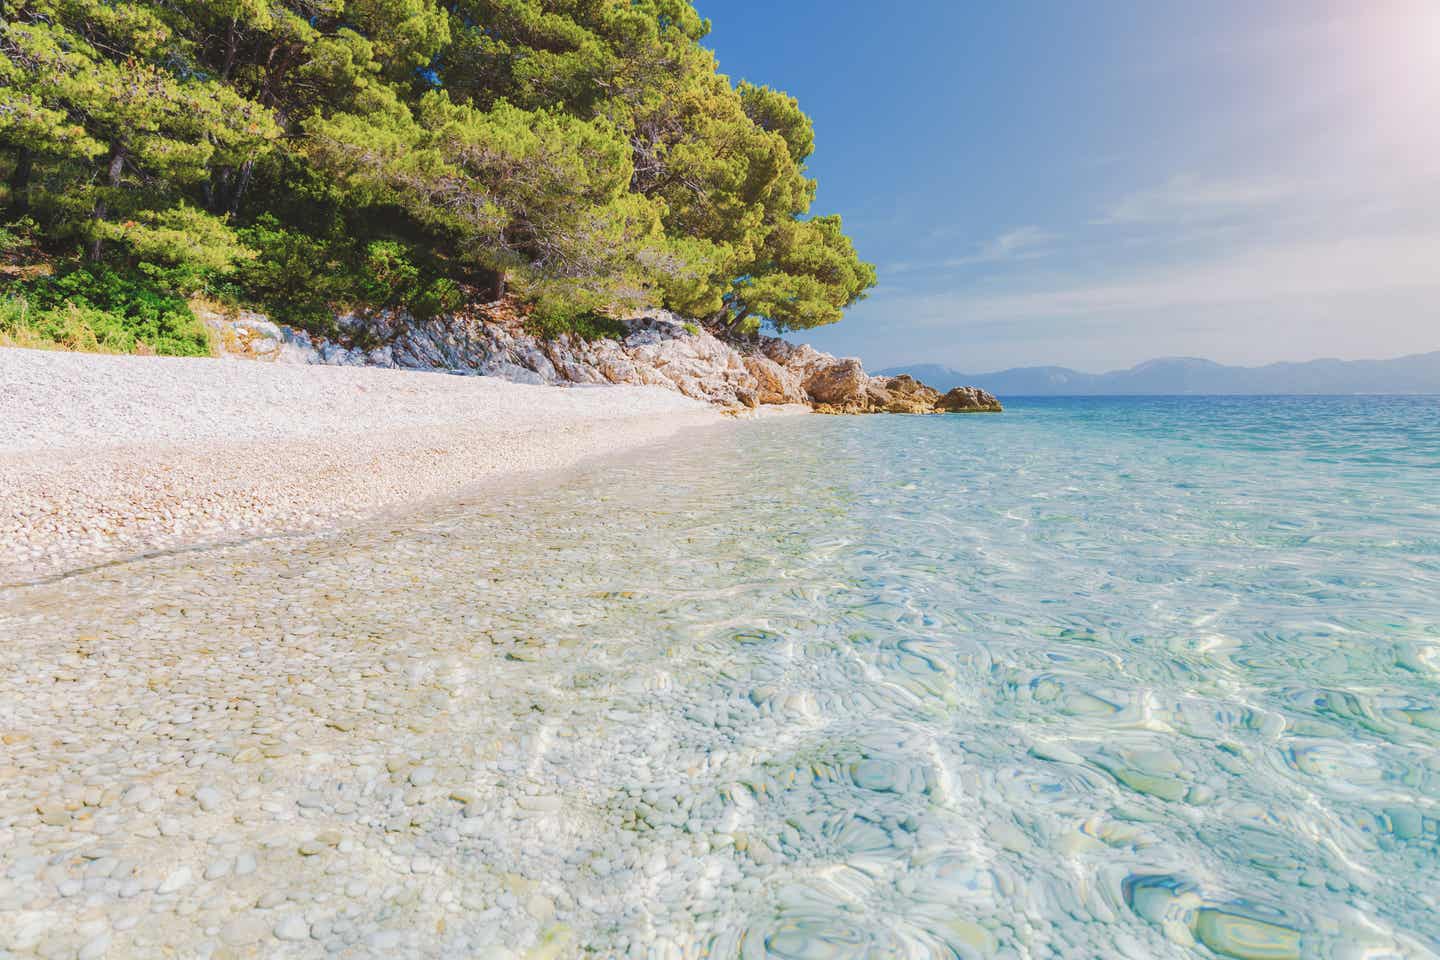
1096, 678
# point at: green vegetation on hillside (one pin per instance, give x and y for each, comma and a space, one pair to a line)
303, 155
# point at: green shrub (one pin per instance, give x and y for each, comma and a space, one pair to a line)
441, 295
96, 308
17, 235
291, 276
386, 277
301, 280
551, 319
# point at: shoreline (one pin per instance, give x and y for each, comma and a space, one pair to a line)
276, 449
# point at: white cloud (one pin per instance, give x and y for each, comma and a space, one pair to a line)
1188, 199
1021, 243
1275, 273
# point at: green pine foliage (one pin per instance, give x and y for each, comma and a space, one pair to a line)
585, 155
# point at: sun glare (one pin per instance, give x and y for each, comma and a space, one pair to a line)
1388, 70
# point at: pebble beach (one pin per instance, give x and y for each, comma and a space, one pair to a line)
108, 457
177, 801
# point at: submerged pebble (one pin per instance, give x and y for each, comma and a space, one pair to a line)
875, 688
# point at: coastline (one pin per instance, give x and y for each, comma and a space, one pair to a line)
110, 457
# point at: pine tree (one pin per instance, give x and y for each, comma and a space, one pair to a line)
583, 151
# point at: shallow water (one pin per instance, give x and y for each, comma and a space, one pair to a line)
1093, 678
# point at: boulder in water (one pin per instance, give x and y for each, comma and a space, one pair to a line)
968, 400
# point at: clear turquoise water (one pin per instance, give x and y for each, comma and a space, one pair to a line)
1115, 667
1093, 678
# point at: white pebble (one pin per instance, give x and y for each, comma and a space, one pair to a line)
177, 880
292, 927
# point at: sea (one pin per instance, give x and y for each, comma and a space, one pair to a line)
1095, 677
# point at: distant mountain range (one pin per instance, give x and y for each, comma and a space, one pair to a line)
1419, 373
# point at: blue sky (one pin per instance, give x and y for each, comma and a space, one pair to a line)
1095, 184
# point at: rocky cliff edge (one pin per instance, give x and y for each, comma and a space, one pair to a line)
658, 348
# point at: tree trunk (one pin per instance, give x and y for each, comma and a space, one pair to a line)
20, 181
733, 323
217, 189
116, 168
246, 170
499, 284
232, 45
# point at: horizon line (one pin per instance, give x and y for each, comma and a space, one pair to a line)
1232, 366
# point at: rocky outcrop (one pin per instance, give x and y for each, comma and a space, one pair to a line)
658, 349
775, 384
840, 384
967, 400
903, 394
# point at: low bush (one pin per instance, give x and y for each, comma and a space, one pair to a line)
551, 319
96, 308
291, 277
